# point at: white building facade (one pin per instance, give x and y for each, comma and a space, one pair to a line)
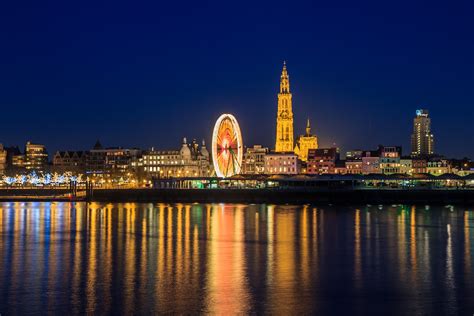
281, 163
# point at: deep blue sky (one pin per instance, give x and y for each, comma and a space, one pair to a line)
148, 73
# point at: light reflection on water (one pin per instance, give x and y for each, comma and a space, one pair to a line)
235, 259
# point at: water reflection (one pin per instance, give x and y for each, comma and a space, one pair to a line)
234, 259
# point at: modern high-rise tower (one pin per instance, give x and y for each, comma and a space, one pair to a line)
422, 142
284, 126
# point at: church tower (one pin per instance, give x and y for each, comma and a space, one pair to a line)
306, 142
284, 126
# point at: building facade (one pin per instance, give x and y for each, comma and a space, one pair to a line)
390, 159
354, 166
438, 166
370, 164
18, 162
36, 156
191, 160
73, 161
254, 160
406, 166
281, 163
3, 160
111, 162
322, 160
365, 161
305, 142
284, 126
340, 167
419, 165
462, 167
422, 140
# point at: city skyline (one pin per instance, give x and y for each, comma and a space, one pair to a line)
236, 157
136, 85
177, 142
285, 88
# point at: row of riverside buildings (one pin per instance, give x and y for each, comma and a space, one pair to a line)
289, 157
193, 160
113, 163
383, 160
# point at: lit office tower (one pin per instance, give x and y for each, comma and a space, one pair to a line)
422, 140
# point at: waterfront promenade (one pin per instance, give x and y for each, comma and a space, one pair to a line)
272, 196
375, 189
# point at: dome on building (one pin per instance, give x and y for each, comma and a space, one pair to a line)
185, 152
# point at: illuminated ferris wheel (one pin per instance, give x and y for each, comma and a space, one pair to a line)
227, 146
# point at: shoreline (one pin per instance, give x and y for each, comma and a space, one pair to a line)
254, 196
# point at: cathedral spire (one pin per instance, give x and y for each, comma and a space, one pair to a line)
284, 130
284, 80
308, 128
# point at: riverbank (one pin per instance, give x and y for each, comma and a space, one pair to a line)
292, 196
38, 194
275, 196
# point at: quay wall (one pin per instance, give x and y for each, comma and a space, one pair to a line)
271, 196
290, 196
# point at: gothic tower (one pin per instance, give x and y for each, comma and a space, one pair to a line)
306, 142
284, 126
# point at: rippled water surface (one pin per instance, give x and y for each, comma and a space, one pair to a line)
229, 258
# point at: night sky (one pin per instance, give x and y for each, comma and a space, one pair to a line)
142, 74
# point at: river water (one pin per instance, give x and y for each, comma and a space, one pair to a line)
235, 259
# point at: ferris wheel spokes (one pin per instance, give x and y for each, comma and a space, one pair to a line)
227, 146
